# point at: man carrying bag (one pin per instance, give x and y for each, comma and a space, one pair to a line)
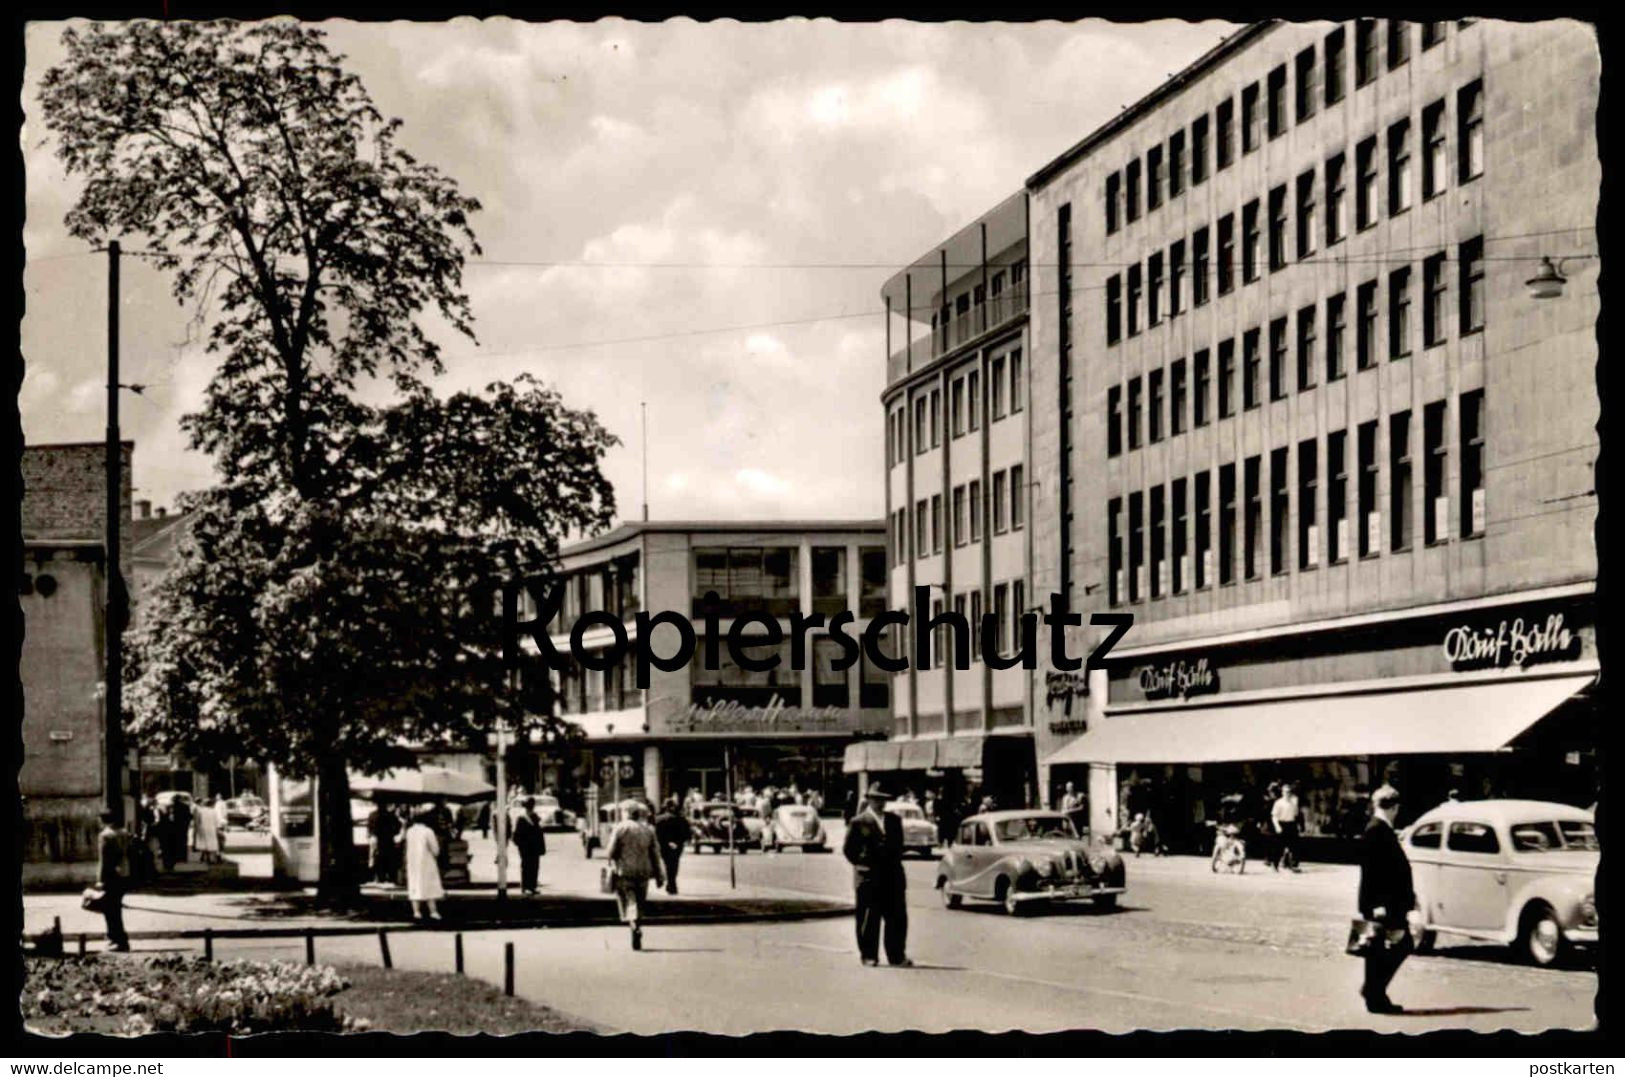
1387, 902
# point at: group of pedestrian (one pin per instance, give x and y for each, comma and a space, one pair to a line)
388, 827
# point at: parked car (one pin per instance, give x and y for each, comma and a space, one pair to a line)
169, 796
609, 816
247, 811
548, 810
919, 832
755, 825
1020, 857
796, 824
1516, 872
713, 820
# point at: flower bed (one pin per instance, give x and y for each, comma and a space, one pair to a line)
181, 994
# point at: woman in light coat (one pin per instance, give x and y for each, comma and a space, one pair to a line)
206, 832
634, 857
423, 886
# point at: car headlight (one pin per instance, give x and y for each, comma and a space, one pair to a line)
1588, 911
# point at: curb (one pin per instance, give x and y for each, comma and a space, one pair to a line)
829, 912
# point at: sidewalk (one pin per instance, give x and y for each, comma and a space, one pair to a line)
1339, 877
569, 898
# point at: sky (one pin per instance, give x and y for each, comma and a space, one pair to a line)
698, 217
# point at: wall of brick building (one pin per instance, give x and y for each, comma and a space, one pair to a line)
65, 492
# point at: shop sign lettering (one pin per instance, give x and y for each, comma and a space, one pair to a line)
1063, 687
1178, 679
731, 716
1514, 642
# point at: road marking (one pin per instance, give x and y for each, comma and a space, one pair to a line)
1086, 988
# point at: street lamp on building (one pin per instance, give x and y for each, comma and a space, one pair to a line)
1548, 281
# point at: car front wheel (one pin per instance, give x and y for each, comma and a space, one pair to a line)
1542, 936
1006, 894
950, 900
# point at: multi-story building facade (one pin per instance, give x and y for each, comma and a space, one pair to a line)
776, 727
957, 507
1323, 443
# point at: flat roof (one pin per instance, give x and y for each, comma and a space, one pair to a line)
634, 528
1006, 226
1200, 66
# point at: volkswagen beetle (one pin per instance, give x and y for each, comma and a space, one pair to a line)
1018, 858
1519, 872
796, 824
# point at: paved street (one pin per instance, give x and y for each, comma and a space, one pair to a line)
1186, 949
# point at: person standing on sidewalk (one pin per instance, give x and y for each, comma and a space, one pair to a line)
874, 847
423, 886
531, 843
634, 859
1388, 897
113, 873
673, 832
1284, 814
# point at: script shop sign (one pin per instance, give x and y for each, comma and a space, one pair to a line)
727, 716
1179, 679
1512, 641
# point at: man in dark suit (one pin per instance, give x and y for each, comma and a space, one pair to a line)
874, 846
531, 843
113, 873
672, 832
1387, 897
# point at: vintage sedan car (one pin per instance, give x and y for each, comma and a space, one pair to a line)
712, 821
796, 825
247, 811
919, 832
1519, 872
548, 810
1019, 858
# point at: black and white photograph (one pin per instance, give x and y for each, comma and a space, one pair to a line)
746, 528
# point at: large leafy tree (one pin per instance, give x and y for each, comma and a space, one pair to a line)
335, 597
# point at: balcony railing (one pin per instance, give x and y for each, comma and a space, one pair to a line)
958, 331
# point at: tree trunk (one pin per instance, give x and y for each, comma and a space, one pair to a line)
338, 869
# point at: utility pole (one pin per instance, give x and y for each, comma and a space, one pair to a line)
117, 601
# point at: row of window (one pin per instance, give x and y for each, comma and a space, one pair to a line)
612, 587
1167, 555
967, 505
1164, 169
1158, 291
1009, 601
1005, 396
765, 579
1303, 336
582, 690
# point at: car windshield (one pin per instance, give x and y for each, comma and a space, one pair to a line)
1035, 827
1579, 834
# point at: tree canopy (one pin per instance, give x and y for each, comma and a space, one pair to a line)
334, 599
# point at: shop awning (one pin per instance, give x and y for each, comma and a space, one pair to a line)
917, 755
870, 755
956, 753
1478, 717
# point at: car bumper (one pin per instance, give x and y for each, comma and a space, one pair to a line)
1581, 936
1068, 892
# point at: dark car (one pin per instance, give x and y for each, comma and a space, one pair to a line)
714, 821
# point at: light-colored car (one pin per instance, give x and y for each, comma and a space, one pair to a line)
247, 811
169, 796
798, 825
919, 832
1020, 857
1519, 872
755, 825
548, 810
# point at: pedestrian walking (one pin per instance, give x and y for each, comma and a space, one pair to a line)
423, 886
532, 845
206, 832
673, 832
634, 859
183, 827
485, 820
874, 847
1284, 814
113, 873
1387, 897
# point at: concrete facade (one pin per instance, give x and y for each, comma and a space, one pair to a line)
1512, 175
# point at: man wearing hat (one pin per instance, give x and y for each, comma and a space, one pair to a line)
874, 846
532, 844
1387, 896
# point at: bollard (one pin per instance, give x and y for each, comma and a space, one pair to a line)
208, 944
507, 971
383, 947
459, 953
310, 946
81, 944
